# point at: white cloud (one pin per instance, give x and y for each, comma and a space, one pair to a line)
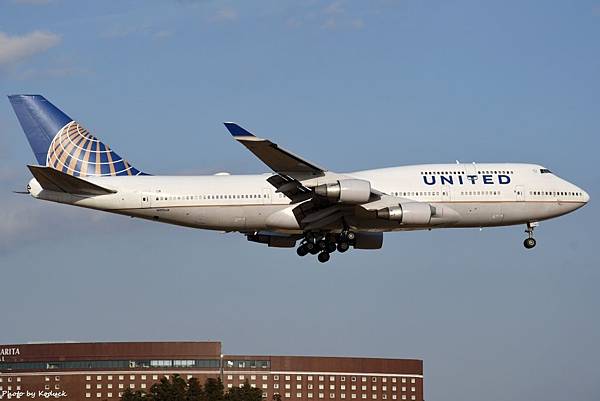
17, 48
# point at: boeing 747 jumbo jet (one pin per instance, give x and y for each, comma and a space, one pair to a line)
299, 201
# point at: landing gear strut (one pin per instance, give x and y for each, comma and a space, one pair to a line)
324, 244
530, 241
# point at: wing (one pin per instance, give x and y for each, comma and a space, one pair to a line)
278, 159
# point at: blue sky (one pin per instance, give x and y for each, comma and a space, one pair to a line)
349, 85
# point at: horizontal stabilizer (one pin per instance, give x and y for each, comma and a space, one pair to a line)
57, 181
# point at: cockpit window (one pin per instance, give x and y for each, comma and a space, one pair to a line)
545, 171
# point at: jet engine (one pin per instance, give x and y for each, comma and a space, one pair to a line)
410, 213
351, 191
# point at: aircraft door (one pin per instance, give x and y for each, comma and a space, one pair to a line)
145, 200
266, 196
520, 193
445, 193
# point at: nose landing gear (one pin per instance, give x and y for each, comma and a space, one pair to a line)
530, 241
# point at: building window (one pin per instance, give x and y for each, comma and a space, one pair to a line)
310, 378
264, 386
143, 385
321, 378
154, 377
413, 389
298, 377
276, 377
87, 395
298, 386
331, 378
19, 379
98, 386
98, 395
265, 377
98, 377
88, 386
109, 395
332, 387
132, 377
121, 377
413, 381
121, 385
144, 377
109, 386
287, 378
132, 386
242, 377
298, 395
353, 378
252, 377
363, 379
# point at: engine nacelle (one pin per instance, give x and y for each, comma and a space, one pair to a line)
274, 241
409, 213
368, 241
351, 191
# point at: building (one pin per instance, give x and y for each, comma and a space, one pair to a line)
102, 371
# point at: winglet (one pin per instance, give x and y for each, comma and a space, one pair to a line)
236, 130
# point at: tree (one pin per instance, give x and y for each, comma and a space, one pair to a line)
244, 393
214, 390
129, 395
177, 389
195, 392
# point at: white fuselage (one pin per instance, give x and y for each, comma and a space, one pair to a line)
467, 195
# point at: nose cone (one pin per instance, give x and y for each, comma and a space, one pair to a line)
586, 197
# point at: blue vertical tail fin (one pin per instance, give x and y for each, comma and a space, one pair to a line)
63, 144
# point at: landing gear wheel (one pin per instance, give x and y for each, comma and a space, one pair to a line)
302, 250
322, 244
529, 243
323, 257
350, 235
343, 247
330, 247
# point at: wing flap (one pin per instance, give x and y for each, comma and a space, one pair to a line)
54, 180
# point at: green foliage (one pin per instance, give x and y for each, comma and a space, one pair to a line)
129, 395
177, 389
244, 393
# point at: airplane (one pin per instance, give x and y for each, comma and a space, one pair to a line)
299, 201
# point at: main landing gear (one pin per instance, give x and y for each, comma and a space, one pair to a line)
530, 241
324, 244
